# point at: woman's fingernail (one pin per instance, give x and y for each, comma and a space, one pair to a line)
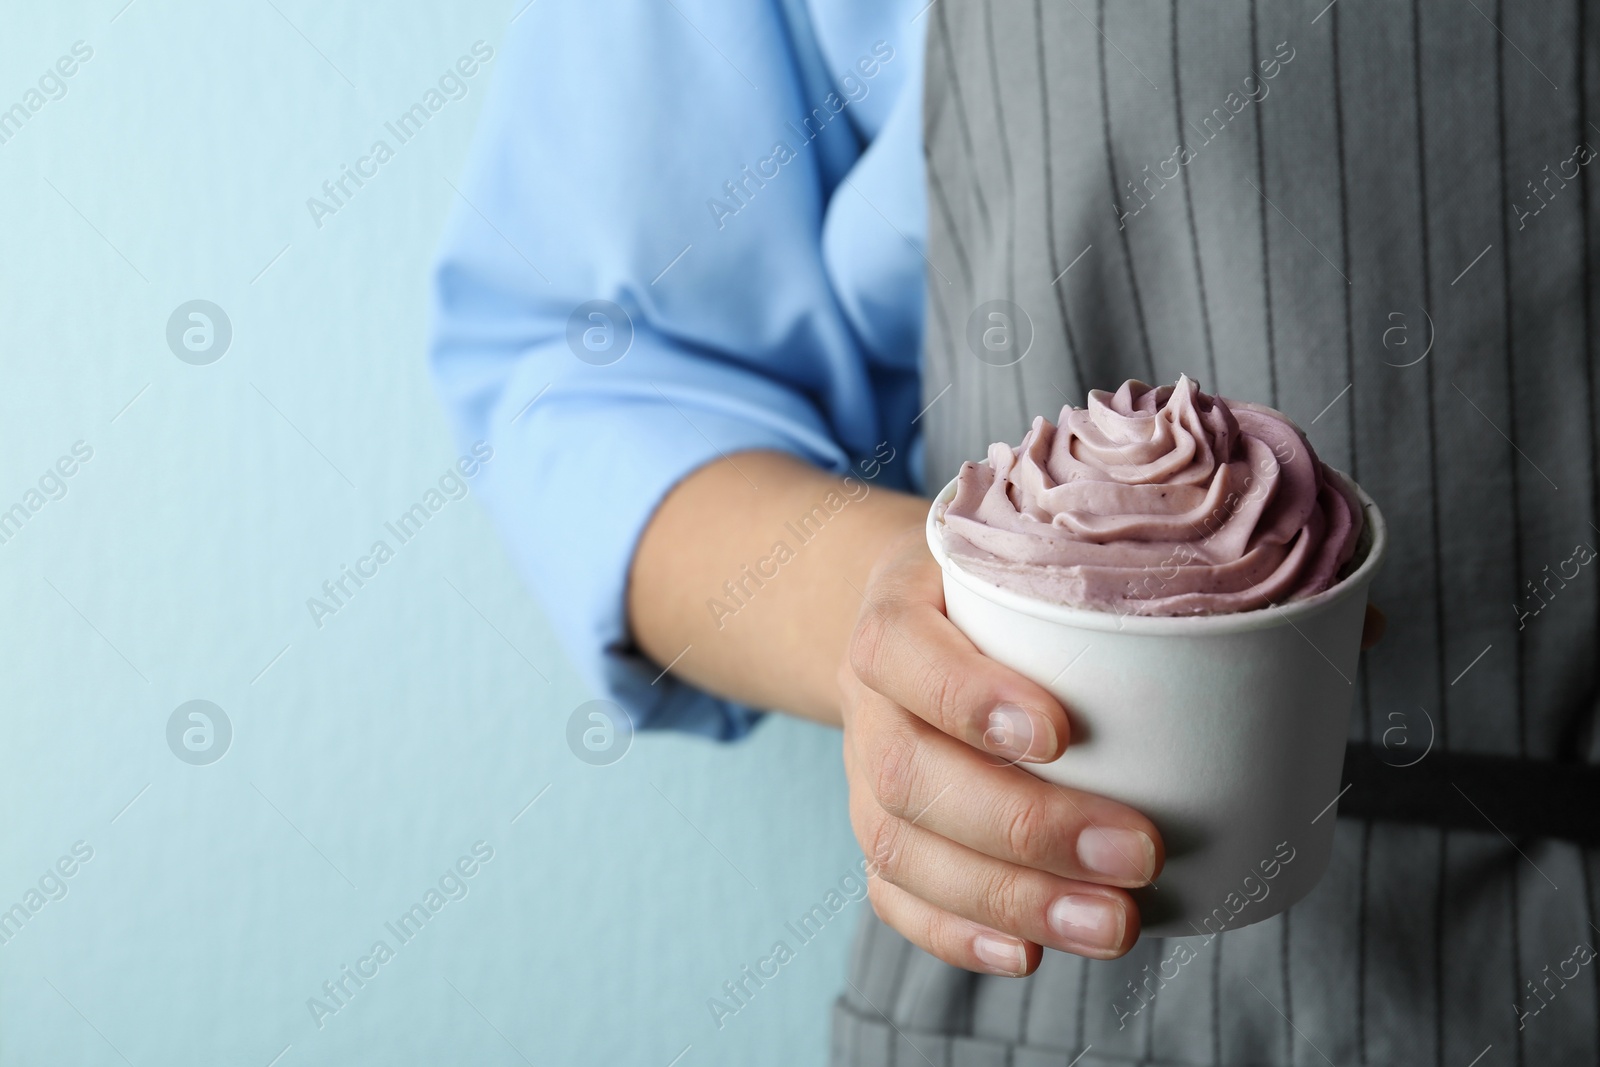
1000, 954
1014, 732
1117, 855
1093, 922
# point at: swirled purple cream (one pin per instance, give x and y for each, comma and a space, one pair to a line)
1155, 501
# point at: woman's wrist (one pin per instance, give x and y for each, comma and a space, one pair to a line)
750, 576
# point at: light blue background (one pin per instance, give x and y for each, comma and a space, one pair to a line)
378, 749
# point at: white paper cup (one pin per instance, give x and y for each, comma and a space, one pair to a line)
1227, 731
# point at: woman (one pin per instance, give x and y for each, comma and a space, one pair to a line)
686, 298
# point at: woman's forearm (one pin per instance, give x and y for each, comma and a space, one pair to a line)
755, 565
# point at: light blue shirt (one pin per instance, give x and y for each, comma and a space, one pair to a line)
744, 182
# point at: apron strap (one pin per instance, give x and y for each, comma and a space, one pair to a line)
1520, 798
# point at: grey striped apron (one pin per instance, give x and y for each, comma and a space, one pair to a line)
1380, 222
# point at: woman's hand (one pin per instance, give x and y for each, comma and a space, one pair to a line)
973, 859
978, 861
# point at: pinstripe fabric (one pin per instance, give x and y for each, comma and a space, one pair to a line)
1368, 197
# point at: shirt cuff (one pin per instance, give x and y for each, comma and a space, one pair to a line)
577, 476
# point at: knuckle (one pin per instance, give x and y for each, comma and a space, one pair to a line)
883, 840
943, 689
933, 935
1004, 897
867, 644
893, 777
1029, 828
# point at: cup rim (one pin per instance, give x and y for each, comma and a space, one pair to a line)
1233, 622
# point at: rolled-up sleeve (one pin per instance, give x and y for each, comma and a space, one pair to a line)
632, 285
